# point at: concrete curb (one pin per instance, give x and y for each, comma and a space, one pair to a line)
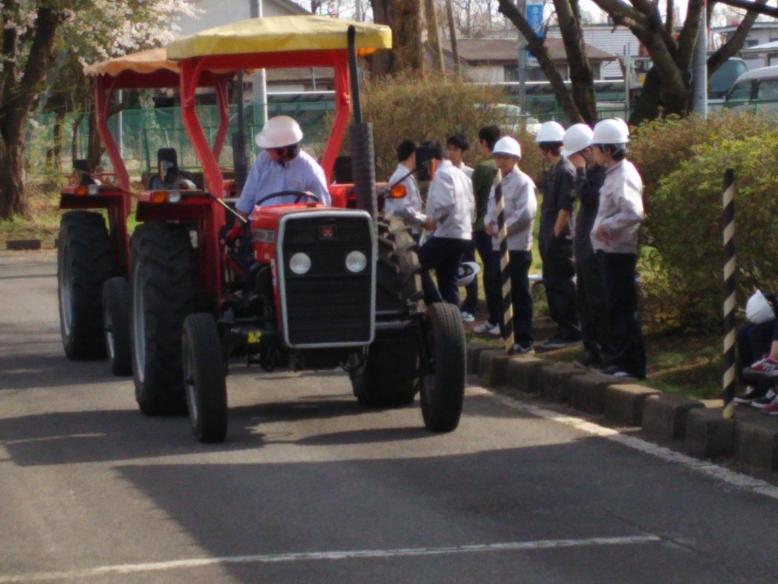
664, 416
756, 445
749, 439
624, 403
708, 434
23, 244
524, 372
556, 380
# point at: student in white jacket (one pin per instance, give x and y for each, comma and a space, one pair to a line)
615, 240
411, 204
450, 209
520, 202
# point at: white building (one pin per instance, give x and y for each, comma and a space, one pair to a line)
218, 12
754, 51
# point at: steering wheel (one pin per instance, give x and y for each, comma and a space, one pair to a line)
298, 195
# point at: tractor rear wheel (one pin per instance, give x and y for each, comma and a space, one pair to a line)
163, 276
443, 392
206, 390
83, 264
116, 324
390, 375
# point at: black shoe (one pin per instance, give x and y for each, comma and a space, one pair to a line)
519, 349
559, 343
749, 395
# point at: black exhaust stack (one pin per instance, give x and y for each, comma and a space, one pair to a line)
362, 151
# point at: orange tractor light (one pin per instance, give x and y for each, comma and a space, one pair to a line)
398, 192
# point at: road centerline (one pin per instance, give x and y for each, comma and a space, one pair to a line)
511, 546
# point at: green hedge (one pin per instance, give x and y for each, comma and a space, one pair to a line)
682, 264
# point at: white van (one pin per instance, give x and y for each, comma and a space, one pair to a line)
755, 91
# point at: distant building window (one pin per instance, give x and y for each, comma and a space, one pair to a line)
752, 42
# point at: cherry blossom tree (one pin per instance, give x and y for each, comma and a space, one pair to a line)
36, 32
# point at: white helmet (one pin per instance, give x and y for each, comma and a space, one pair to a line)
576, 138
550, 132
507, 145
278, 132
758, 309
466, 273
612, 131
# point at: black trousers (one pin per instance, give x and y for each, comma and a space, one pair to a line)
753, 341
521, 298
490, 275
558, 272
443, 255
623, 345
471, 297
590, 299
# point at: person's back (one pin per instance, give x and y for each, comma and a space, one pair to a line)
450, 202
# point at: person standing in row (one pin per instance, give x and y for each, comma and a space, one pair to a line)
456, 146
614, 237
590, 297
483, 177
403, 175
449, 218
520, 203
556, 246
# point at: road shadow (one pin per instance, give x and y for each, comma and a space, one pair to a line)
29, 370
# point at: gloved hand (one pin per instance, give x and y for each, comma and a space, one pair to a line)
235, 232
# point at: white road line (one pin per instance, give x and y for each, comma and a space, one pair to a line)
736, 479
512, 546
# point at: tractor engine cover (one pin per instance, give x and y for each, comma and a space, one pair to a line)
323, 264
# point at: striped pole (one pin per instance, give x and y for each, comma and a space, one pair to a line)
728, 379
505, 263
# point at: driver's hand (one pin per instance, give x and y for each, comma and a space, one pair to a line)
235, 232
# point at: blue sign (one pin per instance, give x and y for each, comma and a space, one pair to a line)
535, 18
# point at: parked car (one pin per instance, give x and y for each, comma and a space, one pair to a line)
755, 91
510, 116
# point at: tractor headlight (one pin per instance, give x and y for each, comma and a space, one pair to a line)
300, 263
356, 262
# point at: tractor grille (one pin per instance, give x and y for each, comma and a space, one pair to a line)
328, 306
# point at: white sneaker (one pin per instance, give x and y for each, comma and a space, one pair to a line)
487, 328
467, 317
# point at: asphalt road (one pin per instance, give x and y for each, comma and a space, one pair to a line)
309, 487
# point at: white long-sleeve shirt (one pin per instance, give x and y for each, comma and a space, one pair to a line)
450, 202
621, 209
412, 199
521, 205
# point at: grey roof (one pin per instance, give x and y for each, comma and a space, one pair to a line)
506, 50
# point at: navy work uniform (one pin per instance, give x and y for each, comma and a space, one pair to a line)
557, 252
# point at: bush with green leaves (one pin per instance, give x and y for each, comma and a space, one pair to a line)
432, 108
687, 231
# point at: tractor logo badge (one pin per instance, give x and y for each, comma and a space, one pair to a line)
326, 231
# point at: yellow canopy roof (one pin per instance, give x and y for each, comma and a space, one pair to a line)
143, 62
275, 34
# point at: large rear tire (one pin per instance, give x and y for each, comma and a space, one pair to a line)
163, 277
390, 375
116, 325
443, 393
83, 263
206, 390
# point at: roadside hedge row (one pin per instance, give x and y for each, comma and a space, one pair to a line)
682, 162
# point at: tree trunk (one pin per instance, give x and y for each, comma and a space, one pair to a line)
433, 36
14, 109
581, 77
538, 48
453, 31
12, 202
404, 18
647, 106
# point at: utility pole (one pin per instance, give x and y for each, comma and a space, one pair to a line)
259, 81
433, 35
700, 68
522, 67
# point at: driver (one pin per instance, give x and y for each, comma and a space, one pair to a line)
281, 166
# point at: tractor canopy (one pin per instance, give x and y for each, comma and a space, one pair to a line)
273, 42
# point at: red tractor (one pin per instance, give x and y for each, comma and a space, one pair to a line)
93, 258
326, 287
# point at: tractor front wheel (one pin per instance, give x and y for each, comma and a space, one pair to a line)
162, 291
116, 324
206, 390
443, 393
83, 263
